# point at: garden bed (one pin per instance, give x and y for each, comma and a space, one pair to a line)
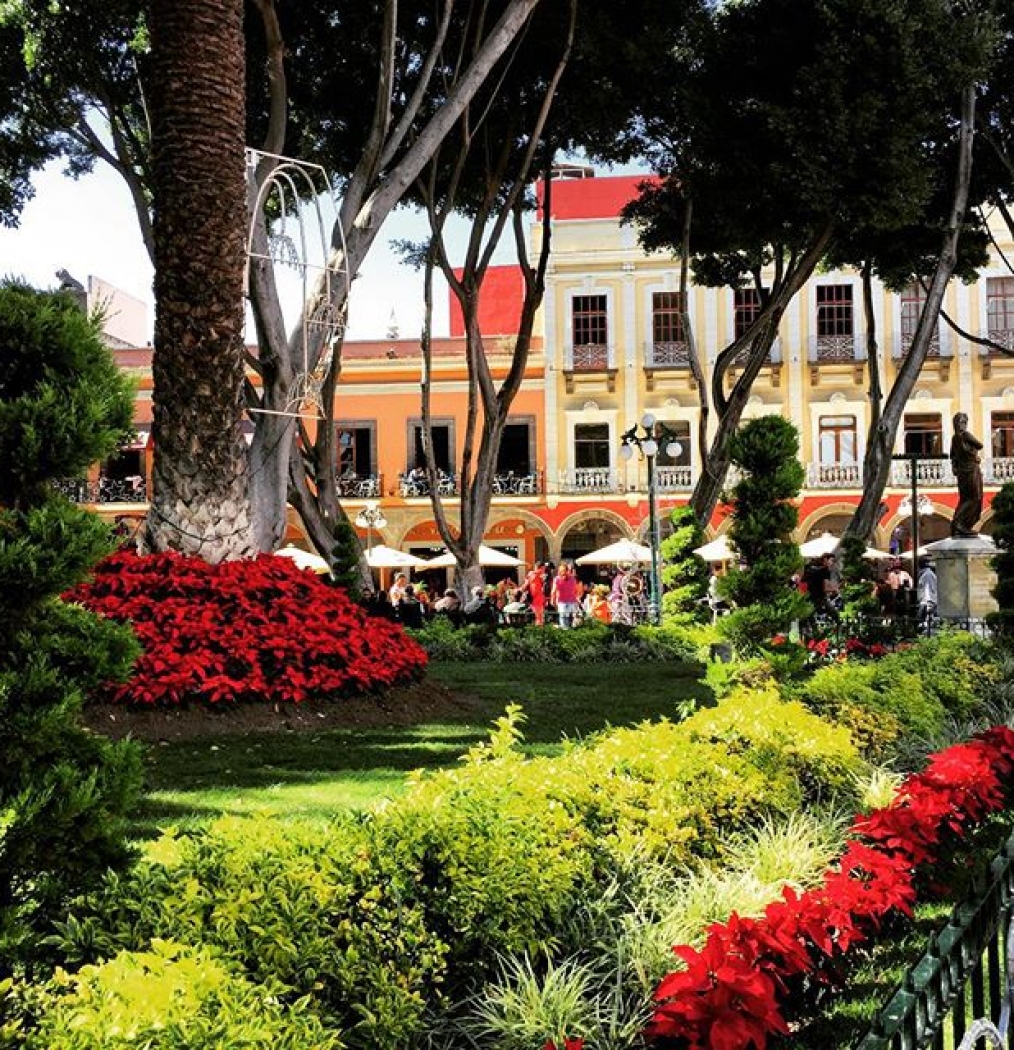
423, 701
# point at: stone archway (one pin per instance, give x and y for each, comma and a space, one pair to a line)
832, 517
588, 530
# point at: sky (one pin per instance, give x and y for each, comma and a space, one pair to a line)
87, 227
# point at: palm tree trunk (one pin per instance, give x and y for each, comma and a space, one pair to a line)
199, 501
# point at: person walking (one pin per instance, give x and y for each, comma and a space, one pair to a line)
535, 588
928, 594
564, 596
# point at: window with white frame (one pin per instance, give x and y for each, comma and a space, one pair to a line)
837, 439
924, 433
835, 323
913, 299
1002, 435
592, 446
746, 308
1000, 310
590, 331
680, 429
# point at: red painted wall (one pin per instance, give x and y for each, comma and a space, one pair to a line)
595, 198
499, 303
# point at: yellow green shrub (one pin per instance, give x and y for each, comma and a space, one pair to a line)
169, 998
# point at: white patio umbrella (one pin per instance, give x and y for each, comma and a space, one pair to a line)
488, 557
617, 553
304, 559
382, 557
718, 549
877, 555
823, 544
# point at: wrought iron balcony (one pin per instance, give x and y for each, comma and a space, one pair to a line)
590, 357
361, 486
667, 354
1002, 337
511, 484
834, 475
588, 480
904, 344
833, 348
103, 490
416, 483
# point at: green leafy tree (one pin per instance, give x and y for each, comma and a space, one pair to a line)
858, 578
64, 791
1002, 621
684, 575
795, 124
764, 516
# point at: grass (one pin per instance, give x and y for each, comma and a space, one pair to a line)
313, 774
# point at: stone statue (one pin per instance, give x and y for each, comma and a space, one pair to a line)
965, 464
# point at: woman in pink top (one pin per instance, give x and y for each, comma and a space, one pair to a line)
565, 596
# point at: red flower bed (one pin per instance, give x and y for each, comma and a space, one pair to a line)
258, 630
733, 991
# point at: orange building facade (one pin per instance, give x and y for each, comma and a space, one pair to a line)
608, 349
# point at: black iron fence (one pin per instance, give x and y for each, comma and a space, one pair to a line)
960, 993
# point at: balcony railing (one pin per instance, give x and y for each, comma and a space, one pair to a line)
511, 484
412, 485
361, 486
589, 479
1002, 337
997, 470
834, 475
904, 343
933, 473
103, 490
590, 357
833, 348
667, 355
674, 479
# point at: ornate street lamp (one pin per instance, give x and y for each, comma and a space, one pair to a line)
371, 517
653, 434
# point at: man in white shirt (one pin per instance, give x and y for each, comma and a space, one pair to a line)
928, 593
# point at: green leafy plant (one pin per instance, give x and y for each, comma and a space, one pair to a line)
763, 518
64, 792
169, 998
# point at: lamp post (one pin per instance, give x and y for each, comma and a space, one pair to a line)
647, 441
370, 517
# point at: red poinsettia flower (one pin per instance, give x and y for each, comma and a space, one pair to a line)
255, 630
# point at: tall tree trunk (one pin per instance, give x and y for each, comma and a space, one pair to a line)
199, 500
880, 444
759, 339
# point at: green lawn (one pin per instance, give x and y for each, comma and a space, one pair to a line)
312, 774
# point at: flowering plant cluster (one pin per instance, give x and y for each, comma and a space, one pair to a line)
259, 629
822, 650
733, 992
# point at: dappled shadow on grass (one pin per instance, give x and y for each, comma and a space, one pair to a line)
302, 758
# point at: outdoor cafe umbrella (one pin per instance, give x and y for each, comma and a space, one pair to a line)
717, 550
382, 557
617, 553
488, 558
304, 559
823, 544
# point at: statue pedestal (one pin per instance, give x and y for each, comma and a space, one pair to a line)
964, 578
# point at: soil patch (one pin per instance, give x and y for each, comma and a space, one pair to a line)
425, 701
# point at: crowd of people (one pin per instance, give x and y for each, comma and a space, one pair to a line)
548, 595
896, 592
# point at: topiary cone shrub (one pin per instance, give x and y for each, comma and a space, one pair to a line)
64, 792
248, 630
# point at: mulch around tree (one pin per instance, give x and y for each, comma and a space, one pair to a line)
424, 701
